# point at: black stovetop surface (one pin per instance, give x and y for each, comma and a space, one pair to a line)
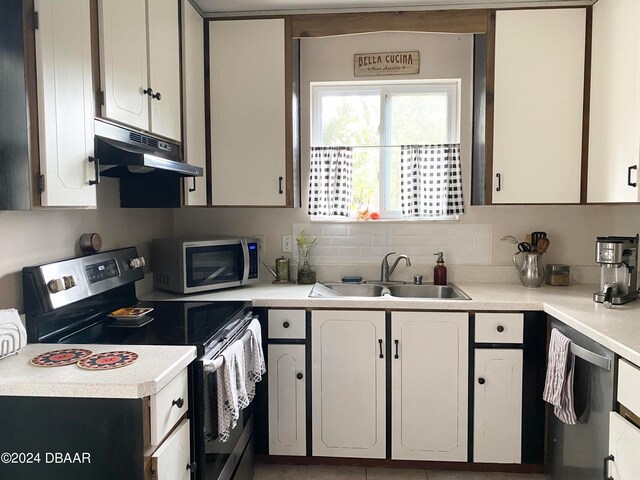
173, 323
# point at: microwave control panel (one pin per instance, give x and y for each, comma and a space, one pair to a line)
253, 260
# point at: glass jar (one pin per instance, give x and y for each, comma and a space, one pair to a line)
558, 275
306, 270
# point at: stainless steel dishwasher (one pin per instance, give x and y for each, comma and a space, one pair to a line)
576, 452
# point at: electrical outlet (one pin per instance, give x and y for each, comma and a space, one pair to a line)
287, 243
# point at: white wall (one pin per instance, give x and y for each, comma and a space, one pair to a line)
28, 238
571, 229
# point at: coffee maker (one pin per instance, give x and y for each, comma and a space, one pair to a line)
618, 259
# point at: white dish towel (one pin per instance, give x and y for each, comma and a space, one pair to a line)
13, 335
232, 395
254, 359
558, 388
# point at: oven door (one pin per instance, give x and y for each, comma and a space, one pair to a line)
219, 264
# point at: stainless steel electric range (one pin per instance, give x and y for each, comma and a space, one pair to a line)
69, 301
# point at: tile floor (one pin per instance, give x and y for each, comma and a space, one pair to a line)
323, 472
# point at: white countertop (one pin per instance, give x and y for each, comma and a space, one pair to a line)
617, 329
154, 368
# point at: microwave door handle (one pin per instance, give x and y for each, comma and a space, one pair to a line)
245, 254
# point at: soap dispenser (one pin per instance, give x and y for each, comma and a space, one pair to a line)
440, 271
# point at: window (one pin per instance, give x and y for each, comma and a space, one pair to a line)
376, 118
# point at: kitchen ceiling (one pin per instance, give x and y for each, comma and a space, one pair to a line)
243, 7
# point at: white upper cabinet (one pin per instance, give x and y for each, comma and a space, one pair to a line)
248, 121
538, 105
348, 383
194, 141
140, 64
614, 120
429, 384
123, 61
65, 102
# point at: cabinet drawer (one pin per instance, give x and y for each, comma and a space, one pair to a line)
629, 386
169, 461
499, 327
168, 406
287, 324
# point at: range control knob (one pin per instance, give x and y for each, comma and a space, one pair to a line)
61, 284
136, 263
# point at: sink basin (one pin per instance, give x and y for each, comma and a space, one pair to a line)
436, 292
448, 292
351, 289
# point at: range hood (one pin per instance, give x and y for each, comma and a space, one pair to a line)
124, 152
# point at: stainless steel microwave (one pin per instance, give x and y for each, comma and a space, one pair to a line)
197, 265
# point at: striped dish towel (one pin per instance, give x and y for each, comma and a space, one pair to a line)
558, 388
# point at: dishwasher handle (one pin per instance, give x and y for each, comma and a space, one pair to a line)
591, 357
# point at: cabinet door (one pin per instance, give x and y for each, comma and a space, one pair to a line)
123, 61
348, 384
65, 102
248, 154
172, 457
164, 67
497, 428
193, 102
624, 445
538, 105
287, 418
429, 386
614, 123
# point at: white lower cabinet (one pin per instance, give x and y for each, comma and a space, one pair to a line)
498, 406
624, 447
170, 461
287, 402
429, 371
348, 383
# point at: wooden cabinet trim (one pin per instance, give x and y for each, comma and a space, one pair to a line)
434, 21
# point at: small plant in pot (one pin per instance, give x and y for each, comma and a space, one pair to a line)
306, 270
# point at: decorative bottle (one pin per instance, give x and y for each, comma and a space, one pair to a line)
440, 271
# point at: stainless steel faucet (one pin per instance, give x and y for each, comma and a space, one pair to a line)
385, 271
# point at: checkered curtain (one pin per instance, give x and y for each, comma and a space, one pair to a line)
431, 180
330, 178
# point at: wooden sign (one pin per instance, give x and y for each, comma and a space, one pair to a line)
386, 63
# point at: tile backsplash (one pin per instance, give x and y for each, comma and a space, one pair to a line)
367, 243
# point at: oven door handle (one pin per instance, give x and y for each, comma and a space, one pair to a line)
211, 365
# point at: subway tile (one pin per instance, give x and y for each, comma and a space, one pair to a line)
356, 241
431, 229
377, 252
380, 241
450, 241
335, 230
408, 240
369, 229
405, 229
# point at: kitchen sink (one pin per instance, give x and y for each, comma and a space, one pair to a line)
347, 290
429, 291
448, 292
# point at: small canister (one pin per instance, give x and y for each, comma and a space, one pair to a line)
282, 269
558, 275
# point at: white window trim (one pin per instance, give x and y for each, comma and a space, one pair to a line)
385, 89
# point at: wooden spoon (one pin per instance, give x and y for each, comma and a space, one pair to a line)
542, 245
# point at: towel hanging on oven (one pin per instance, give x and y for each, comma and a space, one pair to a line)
254, 358
230, 397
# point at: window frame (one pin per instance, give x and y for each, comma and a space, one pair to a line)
386, 90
